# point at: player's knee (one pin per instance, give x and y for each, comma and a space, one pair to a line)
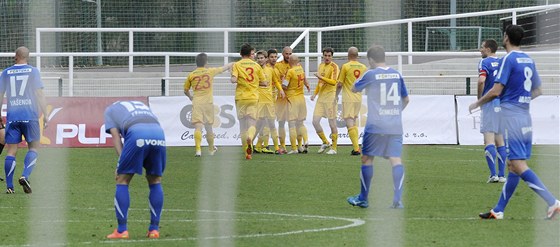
152, 179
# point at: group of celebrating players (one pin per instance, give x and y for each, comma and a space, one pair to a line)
269, 90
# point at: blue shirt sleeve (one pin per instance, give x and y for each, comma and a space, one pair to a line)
505, 71
404, 91
364, 81
109, 121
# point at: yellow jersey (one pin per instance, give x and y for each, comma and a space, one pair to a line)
267, 94
296, 79
329, 72
349, 73
282, 67
202, 80
249, 74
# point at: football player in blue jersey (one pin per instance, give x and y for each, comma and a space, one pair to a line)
144, 147
25, 102
489, 116
386, 98
517, 82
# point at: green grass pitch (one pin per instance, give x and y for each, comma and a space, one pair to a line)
288, 200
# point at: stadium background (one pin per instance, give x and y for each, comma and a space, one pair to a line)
18, 27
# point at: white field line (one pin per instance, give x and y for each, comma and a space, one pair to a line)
352, 223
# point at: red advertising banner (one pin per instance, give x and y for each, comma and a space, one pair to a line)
77, 121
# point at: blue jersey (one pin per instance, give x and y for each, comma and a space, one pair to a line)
488, 67
124, 114
519, 76
384, 89
20, 83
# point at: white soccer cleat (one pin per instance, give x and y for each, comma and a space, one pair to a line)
553, 210
493, 179
332, 151
213, 151
198, 153
502, 179
323, 148
293, 152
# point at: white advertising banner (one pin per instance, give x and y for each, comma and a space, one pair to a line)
426, 120
545, 111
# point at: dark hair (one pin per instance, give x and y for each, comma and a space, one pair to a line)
515, 34
246, 49
201, 59
328, 49
490, 43
377, 53
272, 51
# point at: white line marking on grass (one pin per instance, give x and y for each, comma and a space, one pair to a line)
480, 150
352, 222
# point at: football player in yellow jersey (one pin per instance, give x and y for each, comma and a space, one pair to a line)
351, 102
297, 110
248, 75
326, 106
282, 103
266, 107
201, 80
263, 133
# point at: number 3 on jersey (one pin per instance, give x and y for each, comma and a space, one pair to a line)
392, 95
23, 85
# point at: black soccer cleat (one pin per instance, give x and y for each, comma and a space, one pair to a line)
355, 152
25, 184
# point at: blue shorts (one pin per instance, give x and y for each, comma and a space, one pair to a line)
382, 145
490, 118
518, 136
144, 147
29, 129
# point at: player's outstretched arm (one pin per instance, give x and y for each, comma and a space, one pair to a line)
227, 66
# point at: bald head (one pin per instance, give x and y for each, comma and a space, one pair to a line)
286, 53
22, 54
352, 53
294, 60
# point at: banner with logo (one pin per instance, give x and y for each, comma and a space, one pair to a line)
77, 121
544, 110
427, 120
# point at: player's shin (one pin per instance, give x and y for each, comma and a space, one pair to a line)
398, 179
303, 132
490, 154
334, 138
365, 180
323, 137
122, 203
353, 133
537, 186
197, 140
9, 167
210, 140
501, 157
29, 163
507, 192
274, 135
293, 138
156, 205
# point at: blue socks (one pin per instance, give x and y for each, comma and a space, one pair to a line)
122, 203
502, 156
490, 154
365, 180
9, 167
537, 186
398, 180
29, 163
156, 205
532, 181
507, 191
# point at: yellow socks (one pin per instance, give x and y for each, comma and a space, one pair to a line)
323, 137
293, 138
334, 138
353, 133
197, 140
